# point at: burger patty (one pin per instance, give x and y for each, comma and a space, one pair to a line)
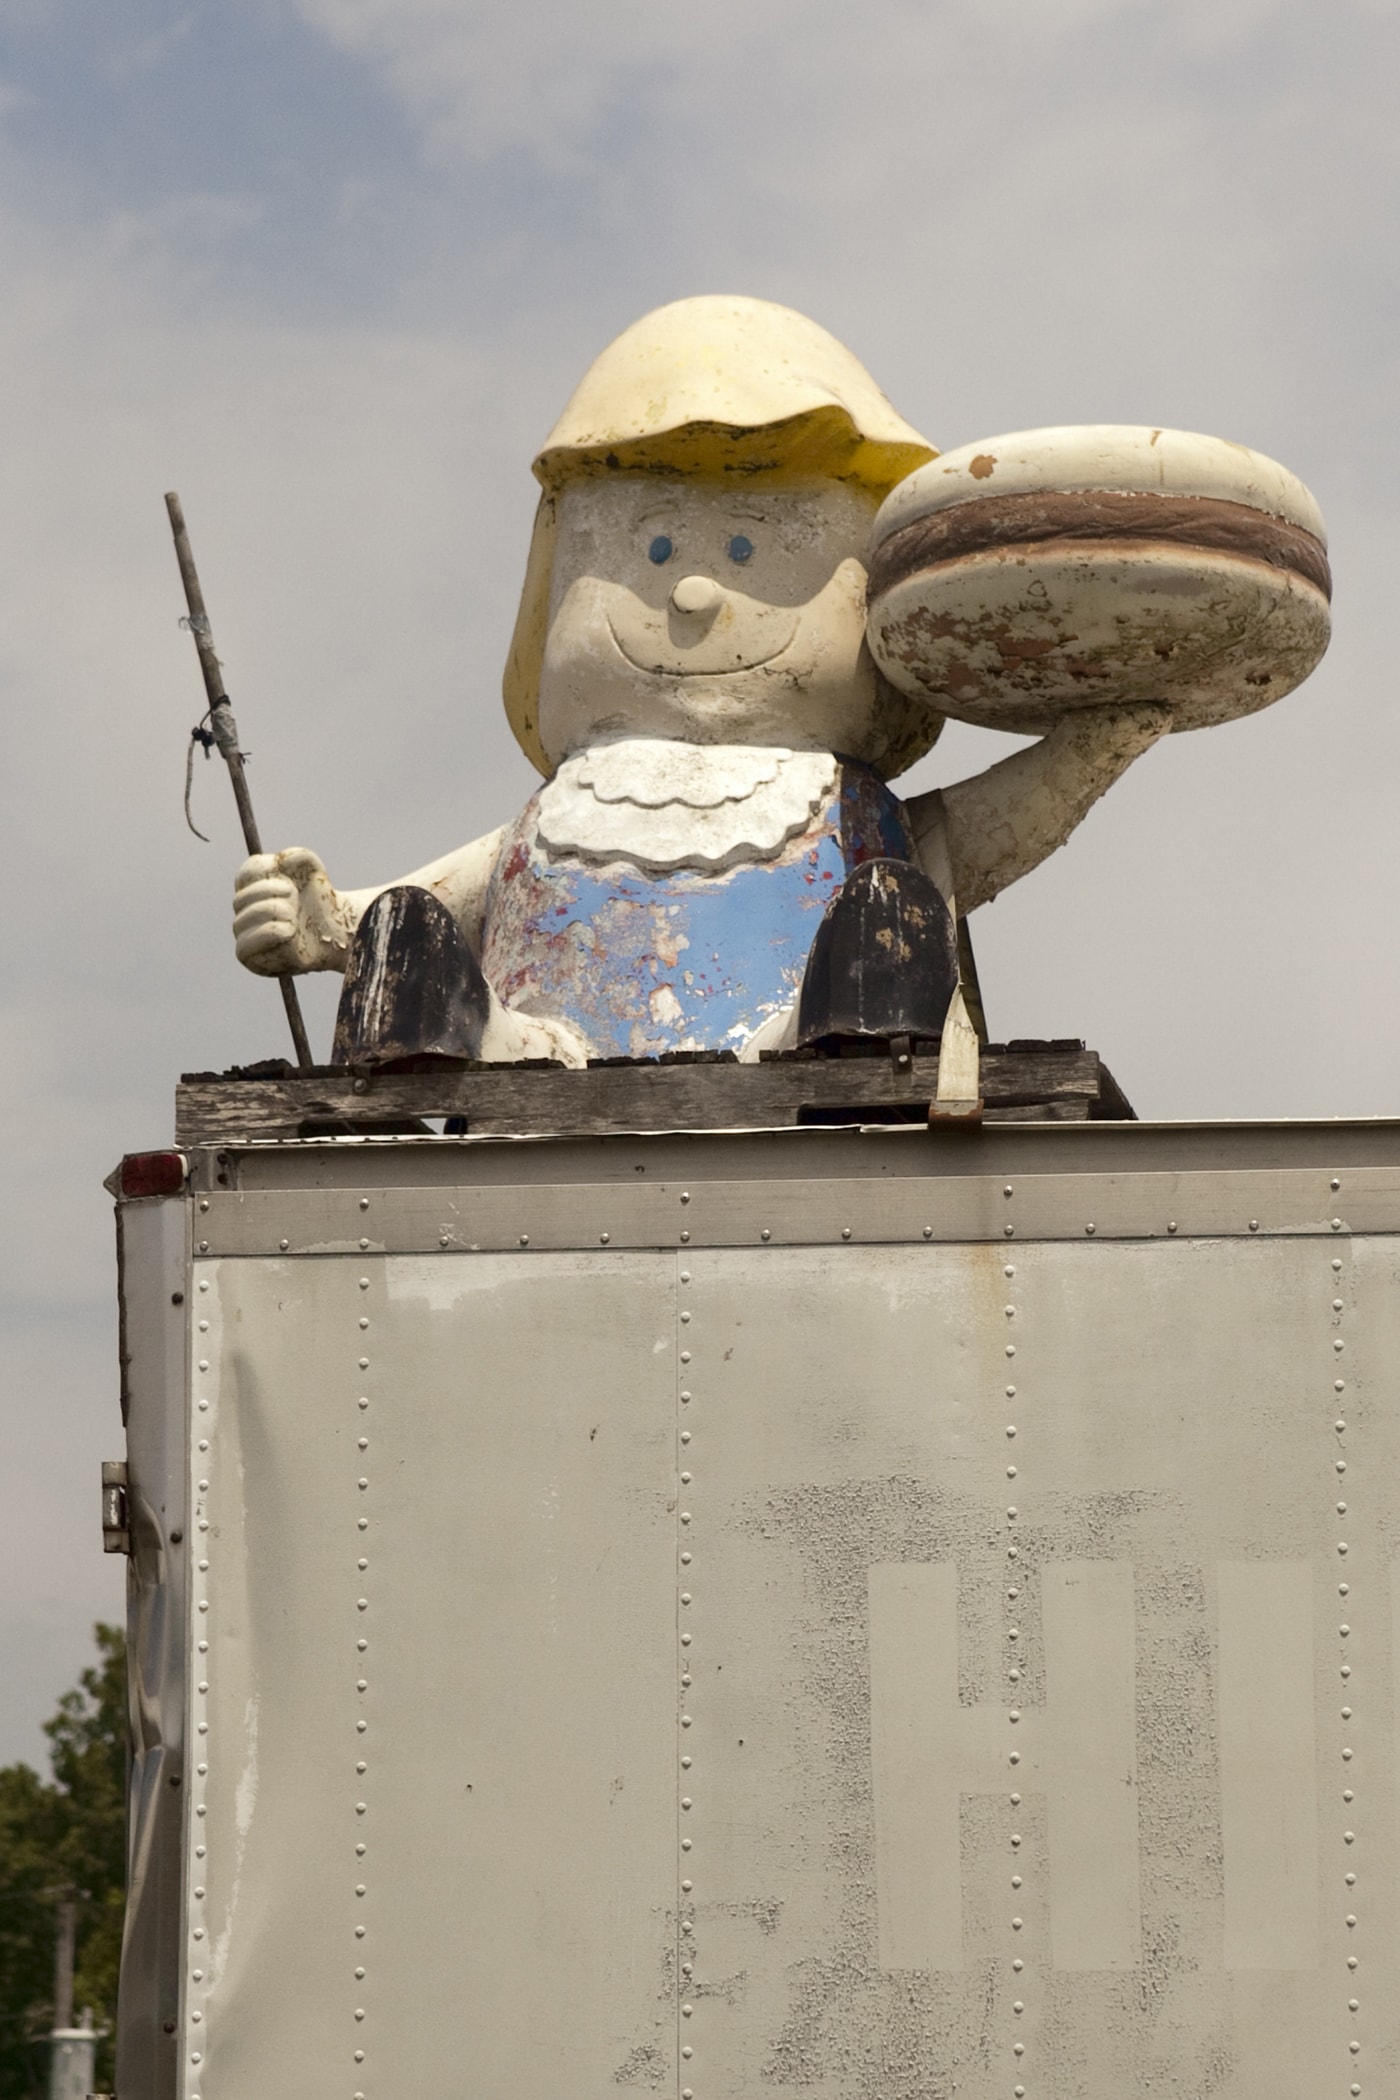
1103, 518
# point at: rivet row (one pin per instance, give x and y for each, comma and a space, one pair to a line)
446, 1235
197, 1774
685, 1673
1346, 1601
1013, 1606
359, 1593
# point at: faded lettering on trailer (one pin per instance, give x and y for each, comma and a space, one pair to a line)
735, 1629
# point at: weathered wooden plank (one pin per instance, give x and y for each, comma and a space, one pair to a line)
1042, 1112
504, 1099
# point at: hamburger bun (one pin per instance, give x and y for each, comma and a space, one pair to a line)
1017, 579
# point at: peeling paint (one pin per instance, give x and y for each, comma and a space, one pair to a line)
1015, 636
602, 947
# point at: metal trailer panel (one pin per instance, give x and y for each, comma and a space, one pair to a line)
815, 1637
434, 1705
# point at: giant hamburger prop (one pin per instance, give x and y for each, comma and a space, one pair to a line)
1015, 580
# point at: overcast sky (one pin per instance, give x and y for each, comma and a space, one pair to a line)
331, 267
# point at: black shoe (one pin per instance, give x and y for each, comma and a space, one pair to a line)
413, 988
884, 962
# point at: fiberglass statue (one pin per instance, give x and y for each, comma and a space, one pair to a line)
752, 597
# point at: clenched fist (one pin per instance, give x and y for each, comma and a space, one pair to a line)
287, 917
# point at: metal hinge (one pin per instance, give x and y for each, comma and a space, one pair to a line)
116, 1516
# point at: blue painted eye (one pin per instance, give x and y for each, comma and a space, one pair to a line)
740, 549
660, 549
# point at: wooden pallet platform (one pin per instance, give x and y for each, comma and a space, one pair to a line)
1021, 1082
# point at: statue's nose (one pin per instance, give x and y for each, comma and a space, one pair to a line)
697, 594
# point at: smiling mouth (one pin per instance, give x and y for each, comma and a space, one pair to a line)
664, 670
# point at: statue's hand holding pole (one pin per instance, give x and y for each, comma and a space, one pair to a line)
224, 730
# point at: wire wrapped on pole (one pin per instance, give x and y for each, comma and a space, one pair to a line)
224, 730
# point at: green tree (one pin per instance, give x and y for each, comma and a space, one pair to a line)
57, 1836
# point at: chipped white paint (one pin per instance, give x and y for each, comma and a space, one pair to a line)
243, 1765
926, 1751
929, 1751
246, 1798
1268, 1764
1090, 1771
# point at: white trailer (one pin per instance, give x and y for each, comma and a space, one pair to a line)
875, 1614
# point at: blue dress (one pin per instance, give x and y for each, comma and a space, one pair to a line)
641, 964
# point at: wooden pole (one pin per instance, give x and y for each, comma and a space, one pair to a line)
225, 733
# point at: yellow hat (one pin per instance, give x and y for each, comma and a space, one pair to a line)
708, 388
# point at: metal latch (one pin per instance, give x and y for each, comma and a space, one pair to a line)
116, 1515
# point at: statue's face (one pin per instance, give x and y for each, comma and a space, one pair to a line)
710, 613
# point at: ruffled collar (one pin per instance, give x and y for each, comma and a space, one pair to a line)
662, 804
